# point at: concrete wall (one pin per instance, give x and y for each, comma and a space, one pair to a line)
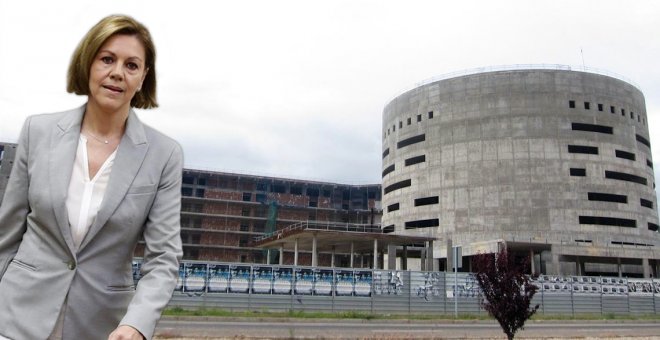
494, 164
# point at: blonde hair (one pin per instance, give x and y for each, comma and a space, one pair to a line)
83, 56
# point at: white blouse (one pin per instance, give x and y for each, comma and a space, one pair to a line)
85, 195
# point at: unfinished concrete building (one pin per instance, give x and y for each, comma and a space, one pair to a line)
223, 213
546, 161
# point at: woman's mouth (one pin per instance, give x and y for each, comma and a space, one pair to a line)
113, 88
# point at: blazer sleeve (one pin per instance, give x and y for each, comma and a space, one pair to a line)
15, 206
160, 269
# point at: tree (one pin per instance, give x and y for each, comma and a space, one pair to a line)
507, 291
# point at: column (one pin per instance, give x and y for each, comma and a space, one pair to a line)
404, 258
295, 252
646, 268
531, 261
314, 253
618, 266
352, 255
374, 264
281, 254
332, 258
555, 264
580, 264
267, 256
391, 257
429, 257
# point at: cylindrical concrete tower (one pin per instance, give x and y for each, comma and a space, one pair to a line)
549, 162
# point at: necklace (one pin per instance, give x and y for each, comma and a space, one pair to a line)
104, 141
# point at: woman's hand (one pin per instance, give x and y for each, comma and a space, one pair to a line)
124, 332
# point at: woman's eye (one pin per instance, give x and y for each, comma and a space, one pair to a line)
132, 66
107, 60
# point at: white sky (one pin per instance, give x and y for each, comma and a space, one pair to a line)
296, 88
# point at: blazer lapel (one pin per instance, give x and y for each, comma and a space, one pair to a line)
63, 146
128, 160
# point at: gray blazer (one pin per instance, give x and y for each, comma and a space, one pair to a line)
39, 266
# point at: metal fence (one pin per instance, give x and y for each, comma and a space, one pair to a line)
244, 287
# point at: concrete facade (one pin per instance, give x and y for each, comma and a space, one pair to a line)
550, 163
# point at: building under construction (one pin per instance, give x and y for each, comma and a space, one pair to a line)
223, 213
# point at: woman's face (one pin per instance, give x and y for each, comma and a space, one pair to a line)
117, 73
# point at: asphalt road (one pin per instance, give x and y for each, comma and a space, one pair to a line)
230, 328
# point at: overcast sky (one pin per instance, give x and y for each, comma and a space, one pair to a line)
296, 89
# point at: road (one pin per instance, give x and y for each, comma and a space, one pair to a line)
246, 328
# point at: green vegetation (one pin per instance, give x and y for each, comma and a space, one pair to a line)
177, 311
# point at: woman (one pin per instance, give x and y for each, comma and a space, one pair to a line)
85, 186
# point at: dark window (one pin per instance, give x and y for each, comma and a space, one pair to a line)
434, 222
646, 203
186, 191
199, 193
419, 118
393, 127
622, 176
611, 221
400, 125
188, 180
327, 192
388, 170
346, 194
426, 201
409, 121
632, 115
430, 114
244, 227
296, 190
587, 106
578, 172
386, 152
600, 107
415, 160
245, 212
261, 198
388, 229
625, 154
612, 109
639, 119
649, 164
622, 243
571, 104
592, 128
410, 141
393, 207
623, 112
344, 207
313, 204
279, 188
247, 196
643, 140
583, 149
397, 186
313, 192
653, 227
603, 197
261, 186
201, 181
243, 242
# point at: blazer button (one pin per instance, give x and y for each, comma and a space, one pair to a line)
71, 266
